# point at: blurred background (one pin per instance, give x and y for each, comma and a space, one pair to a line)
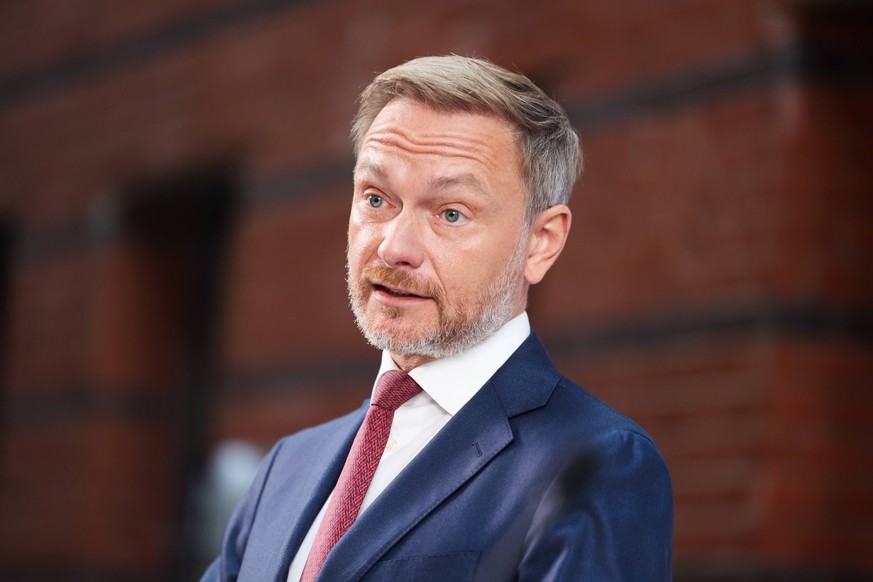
175, 179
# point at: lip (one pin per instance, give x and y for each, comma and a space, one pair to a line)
387, 294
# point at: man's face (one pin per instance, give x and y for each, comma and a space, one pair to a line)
437, 242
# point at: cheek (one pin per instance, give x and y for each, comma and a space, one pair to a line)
457, 270
362, 242
469, 270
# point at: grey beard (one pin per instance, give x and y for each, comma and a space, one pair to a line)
493, 309
443, 343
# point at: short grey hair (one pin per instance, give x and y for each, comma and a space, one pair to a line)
549, 145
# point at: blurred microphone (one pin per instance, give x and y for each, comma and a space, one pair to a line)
575, 478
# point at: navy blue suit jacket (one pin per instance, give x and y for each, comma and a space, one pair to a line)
487, 499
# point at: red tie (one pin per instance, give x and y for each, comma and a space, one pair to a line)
392, 390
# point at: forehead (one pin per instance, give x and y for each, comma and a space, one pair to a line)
413, 131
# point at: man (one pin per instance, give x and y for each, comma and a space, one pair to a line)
496, 467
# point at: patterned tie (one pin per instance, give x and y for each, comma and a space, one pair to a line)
392, 390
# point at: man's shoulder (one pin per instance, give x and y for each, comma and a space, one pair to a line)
577, 427
590, 410
572, 414
531, 383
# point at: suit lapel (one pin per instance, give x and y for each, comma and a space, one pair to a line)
471, 439
303, 492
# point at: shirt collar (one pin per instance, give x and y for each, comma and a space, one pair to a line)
454, 380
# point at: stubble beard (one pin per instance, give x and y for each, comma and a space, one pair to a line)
458, 328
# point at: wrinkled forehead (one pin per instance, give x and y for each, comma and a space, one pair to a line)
446, 109
410, 128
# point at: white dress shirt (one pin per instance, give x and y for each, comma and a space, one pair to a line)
447, 385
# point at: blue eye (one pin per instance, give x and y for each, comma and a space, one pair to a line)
452, 215
375, 201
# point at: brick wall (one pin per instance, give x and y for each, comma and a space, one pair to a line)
717, 285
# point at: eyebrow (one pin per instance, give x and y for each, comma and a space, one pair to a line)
371, 168
438, 183
443, 182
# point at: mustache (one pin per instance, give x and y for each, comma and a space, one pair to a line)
406, 281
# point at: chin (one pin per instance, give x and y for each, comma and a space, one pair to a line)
402, 344
398, 331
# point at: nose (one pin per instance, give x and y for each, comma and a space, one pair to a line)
401, 245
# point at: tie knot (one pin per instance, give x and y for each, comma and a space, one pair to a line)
393, 389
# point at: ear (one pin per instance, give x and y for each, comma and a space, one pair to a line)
547, 238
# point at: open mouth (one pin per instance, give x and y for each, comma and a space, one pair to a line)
395, 292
